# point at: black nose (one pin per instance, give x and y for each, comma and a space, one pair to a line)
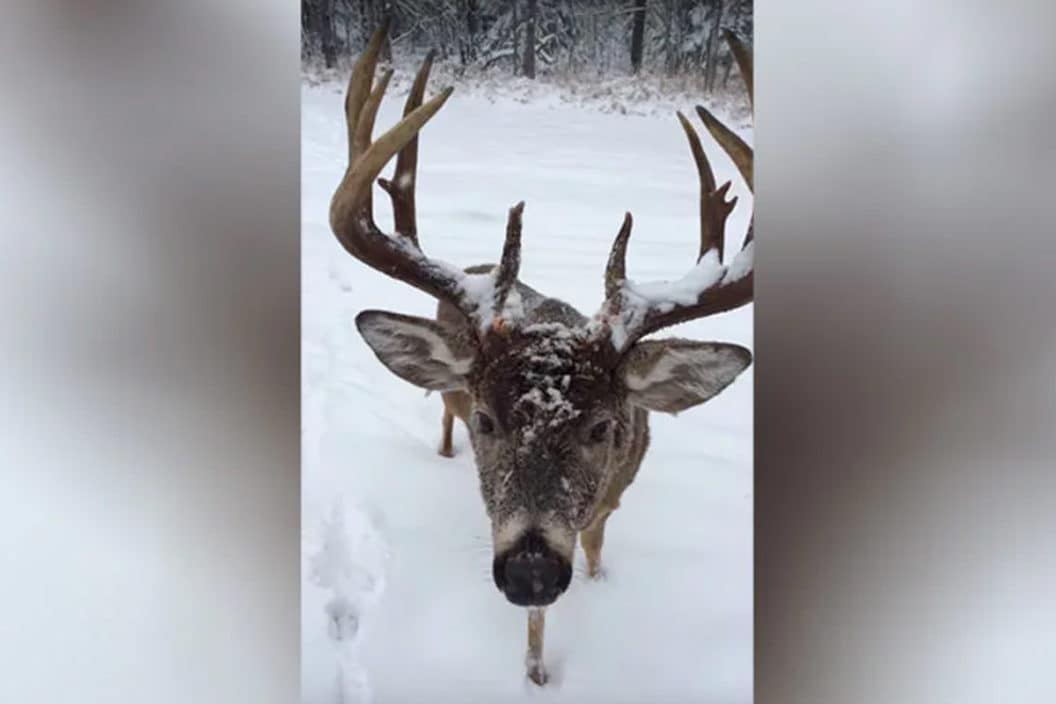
531, 573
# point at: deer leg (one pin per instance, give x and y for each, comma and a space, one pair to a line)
592, 539
448, 422
457, 404
534, 660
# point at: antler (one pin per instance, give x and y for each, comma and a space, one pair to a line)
351, 208
633, 310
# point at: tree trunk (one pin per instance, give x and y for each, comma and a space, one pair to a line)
325, 18
385, 10
726, 73
637, 35
371, 15
711, 65
529, 41
594, 42
366, 20
348, 31
473, 21
466, 33
670, 47
516, 40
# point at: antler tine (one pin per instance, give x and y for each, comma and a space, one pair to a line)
510, 264
733, 145
402, 186
616, 269
365, 127
359, 87
368, 113
361, 174
714, 209
707, 177
744, 62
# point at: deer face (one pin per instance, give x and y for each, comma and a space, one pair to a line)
546, 428
552, 423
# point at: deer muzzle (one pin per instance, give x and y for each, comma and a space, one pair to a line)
531, 573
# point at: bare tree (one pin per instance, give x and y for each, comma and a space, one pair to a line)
529, 39
468, 47
327, 33
538, 38
516, 40
638, 35
317, 20
711, 54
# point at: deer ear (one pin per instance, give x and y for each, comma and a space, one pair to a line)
669, 376
417, 350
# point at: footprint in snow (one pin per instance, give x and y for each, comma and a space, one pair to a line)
343, 619
349, 562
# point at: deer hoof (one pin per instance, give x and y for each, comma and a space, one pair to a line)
537, 675
446, 452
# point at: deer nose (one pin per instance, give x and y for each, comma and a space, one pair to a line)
531, 574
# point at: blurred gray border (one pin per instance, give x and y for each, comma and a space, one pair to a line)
150, 275
905, 352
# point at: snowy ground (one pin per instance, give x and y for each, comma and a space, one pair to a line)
644, 95
398, 603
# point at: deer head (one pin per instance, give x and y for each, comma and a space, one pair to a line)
559, 401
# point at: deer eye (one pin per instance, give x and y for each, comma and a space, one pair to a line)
485, 425
599, 432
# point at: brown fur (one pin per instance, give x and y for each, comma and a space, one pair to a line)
534, 659
459, 404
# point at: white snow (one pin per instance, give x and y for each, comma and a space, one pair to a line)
638, 298
398, 602
742, 263
479, 290
685, 291
652, 94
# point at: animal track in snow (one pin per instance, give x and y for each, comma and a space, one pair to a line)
348, 563
344, 619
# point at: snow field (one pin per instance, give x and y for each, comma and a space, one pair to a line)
397, 599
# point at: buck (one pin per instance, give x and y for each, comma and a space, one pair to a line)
556, 404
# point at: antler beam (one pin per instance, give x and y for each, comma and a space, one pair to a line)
351, 208
632, 310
